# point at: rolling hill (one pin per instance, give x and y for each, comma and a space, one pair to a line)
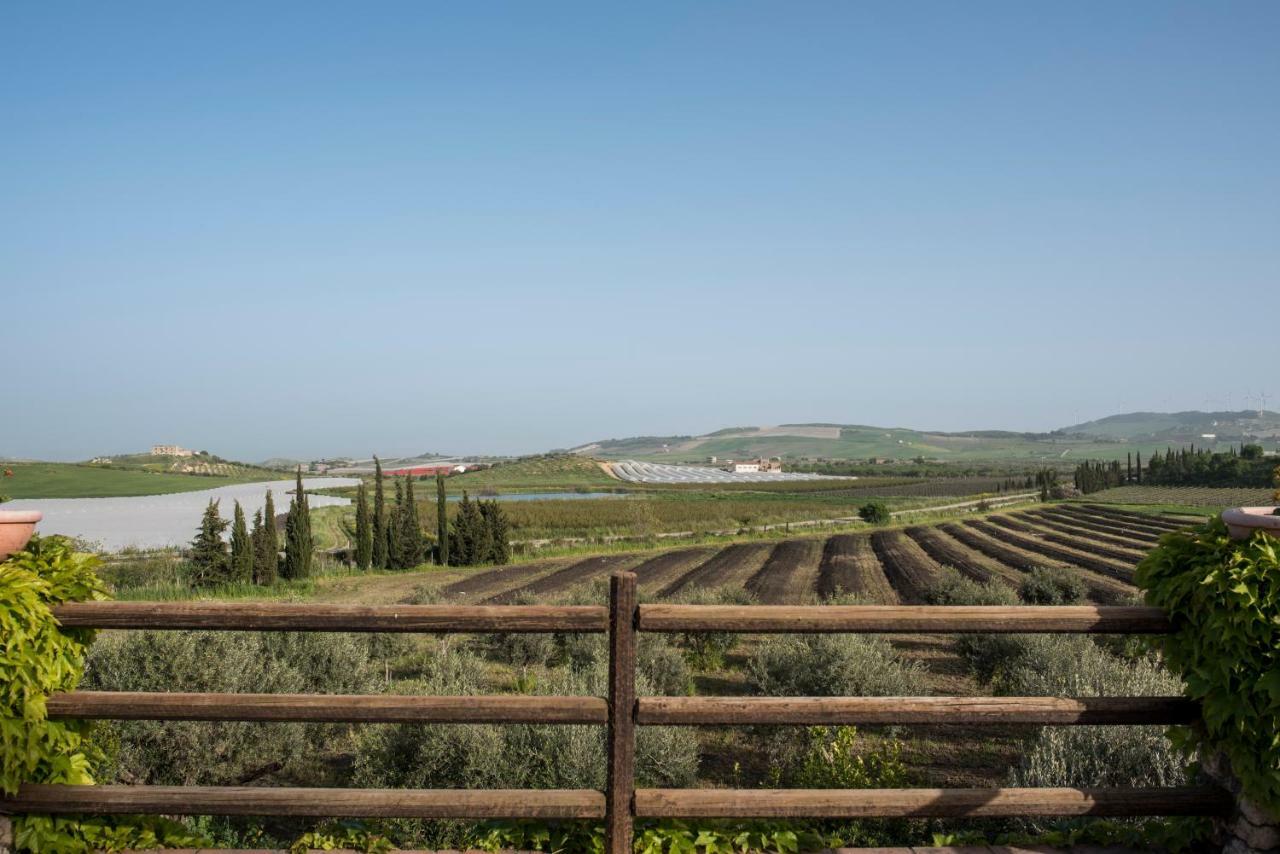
1113, 437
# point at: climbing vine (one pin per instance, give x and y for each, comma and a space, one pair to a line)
1223, 597
38, 658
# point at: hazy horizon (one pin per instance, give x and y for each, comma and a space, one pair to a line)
298, 230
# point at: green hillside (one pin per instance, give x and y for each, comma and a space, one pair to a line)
83, 480
1182, 427
1107, 439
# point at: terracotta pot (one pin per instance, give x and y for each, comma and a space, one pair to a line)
16, 527
1243, 521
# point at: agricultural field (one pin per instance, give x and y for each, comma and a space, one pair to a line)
83, 480
538, 473
999, 555
861, 442
1099, 545
1185, 496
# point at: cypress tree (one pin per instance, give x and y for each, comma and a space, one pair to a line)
395, 548
379, 518
241, 549
463, 535
297, 531
364, 528
411, 545
442, 522
499, 535
271, 536
1139, 469
265, 559
208, 551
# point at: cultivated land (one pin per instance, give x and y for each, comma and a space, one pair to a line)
1099, 544
1186, 496
85, 480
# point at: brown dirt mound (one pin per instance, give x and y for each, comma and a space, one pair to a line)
908, 568
948, 552
720, 569
849, 565
563, 579
781, 580
1067, 556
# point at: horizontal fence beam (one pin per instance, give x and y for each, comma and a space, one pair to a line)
916, 710
355, 708
889, 619
927, 803
299, 617
320, 803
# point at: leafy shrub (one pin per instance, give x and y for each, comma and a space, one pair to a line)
950, 587
833, 759
1053, 586
193, 752
513, 755
875, 512
982, 653
1223, 597
708, 650
833, 666
1075, 666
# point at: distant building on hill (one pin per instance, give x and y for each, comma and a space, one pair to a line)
171, 451
769, 466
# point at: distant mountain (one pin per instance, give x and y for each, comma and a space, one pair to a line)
1183, 427
1113, 437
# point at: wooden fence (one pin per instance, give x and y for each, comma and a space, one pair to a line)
621, 712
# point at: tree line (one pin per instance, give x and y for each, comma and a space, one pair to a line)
253, 554
392, 538
1241, 467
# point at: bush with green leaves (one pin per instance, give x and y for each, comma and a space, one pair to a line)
1076, 666
833, 758
213, 753
950, 587
875, 512
508, 756
983, 654
708, 650
1053, 586
836, 665
41, 658
1223, 598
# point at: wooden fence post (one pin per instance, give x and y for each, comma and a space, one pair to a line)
620, 784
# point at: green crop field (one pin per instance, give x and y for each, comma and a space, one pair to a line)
861, 443
537, 473
81, 480
1185, 496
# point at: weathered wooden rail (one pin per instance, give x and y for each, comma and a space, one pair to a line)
621, 712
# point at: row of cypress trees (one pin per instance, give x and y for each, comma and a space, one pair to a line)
479, 534
254, 553
392, 538
389, 538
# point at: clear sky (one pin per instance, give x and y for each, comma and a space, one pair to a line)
320, 228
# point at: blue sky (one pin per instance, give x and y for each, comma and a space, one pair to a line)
319, 228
